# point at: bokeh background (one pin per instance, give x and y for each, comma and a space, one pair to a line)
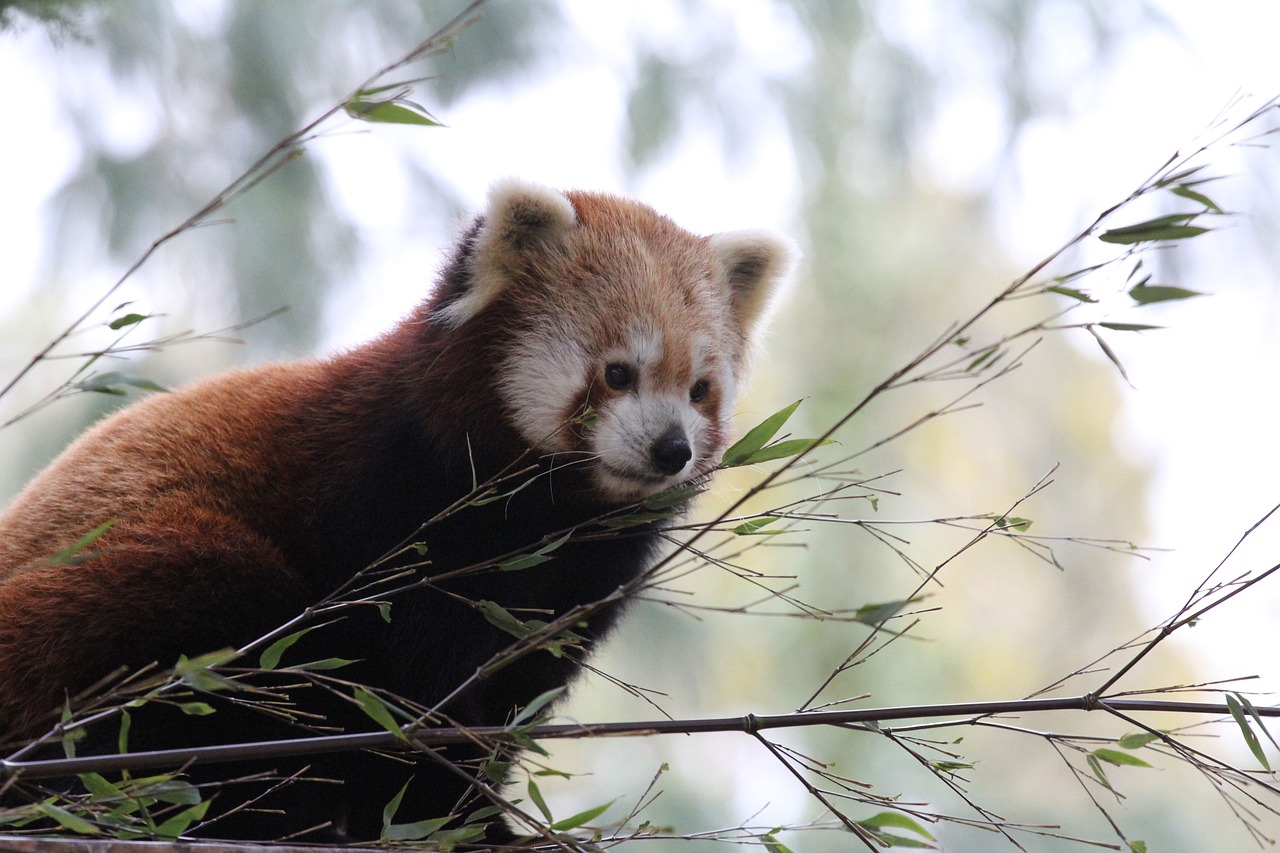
923, 154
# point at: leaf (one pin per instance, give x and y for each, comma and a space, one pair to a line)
416, 831
1072, 292
529, 711
270, 657
196, 709
895, 820
536, 796
396, 111
67, 820
1185, 191
179, 823
1129, 327
757, 437
525, 561
321, 665
122, 736
1109, 353
100, 787
1171, 227
751, 527
876, 825
673, 497
1149, 293
393, 806
1237, 713
1137, 847
1096, 767
1253, 712
110, 382
874, 614
384, 610
1136, 741
127, 320
379, 711
783, 449
770, 842
76, 549
499, 617
581, 817
195, 671
1118, 758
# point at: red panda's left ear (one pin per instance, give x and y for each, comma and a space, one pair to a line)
757, 266
521, 217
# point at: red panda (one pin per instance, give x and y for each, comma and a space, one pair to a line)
580, 335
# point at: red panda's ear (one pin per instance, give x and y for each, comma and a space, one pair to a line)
757, 266
521, 217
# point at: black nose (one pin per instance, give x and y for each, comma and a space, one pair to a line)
671, 451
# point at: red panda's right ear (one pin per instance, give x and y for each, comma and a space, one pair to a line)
521, 217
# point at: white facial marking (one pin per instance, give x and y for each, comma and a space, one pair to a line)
540, 381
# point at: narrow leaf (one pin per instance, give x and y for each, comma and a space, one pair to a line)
757, 437
1136, 741
580, 818
77, 548
531, 710
127, 320
895, 820
1146, 294
1072, 292
1250, 739
536, 796
379, 711
1200, 198
270, 657
67, 820
784, 449
1129, 327
1115, 756
416, 831
752, 526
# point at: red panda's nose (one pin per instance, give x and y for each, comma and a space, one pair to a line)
671, 451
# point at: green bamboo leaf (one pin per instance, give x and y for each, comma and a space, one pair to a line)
396, 111
1185, 191
67, 820
181, 822
1118, 758
76, 551
524, 561
322, 665
379, 711
1174, 226
500, 617
580, 818
270, 657
536, 796
752, 527
1096, 767
390, 809
127, 320
784, 449
1250, 739
1129, 327
771, 844
1257, 718
1136, 741
416, 831
673, 497
1072, 292
529, 711
757, 437
196, 709
874, 614
895, 820
1149, 293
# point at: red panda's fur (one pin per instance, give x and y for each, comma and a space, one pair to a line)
582, 334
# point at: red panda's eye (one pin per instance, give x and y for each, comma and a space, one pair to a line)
699, 391
620, 377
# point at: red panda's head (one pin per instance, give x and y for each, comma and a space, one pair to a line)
624, 338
